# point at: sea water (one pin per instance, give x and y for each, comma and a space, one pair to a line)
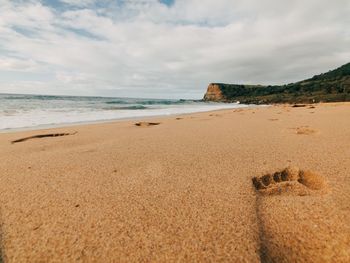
29, 111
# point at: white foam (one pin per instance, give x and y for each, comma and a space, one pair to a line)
17, 119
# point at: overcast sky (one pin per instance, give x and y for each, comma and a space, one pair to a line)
166, 49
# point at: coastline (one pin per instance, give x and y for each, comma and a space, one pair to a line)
136, 118
38, 113
181, 190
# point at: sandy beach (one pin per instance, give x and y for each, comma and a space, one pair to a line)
181, 189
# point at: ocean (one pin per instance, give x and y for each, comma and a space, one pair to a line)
31, 111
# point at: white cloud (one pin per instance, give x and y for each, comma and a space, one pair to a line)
147, 49
79, 3
14, 64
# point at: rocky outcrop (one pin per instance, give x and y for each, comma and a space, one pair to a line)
332, 86
214, 93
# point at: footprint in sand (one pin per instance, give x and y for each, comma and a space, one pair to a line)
215, 115
304, 130
297, 220
146, 124
290, 181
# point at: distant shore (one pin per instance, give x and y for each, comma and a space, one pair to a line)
237, 185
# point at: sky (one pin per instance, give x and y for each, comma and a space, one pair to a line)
167, 48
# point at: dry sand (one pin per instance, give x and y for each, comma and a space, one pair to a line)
182, 190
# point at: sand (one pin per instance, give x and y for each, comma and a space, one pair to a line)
181, 190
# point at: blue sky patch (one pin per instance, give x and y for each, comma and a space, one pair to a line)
167, 2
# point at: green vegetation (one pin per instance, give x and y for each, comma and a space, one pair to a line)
327, 87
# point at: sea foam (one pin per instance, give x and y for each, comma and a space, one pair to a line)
27, 111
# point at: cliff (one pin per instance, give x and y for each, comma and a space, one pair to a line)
214, 93
327, 87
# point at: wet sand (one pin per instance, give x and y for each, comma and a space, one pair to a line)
180, 189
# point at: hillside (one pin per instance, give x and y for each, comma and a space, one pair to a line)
327, 87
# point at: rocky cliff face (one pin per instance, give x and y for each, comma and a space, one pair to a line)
213, 93
327, 87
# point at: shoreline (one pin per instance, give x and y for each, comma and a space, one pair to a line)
74, 124
233, 185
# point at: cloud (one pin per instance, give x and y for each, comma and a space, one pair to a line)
14, 64
145, 48
79, 3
